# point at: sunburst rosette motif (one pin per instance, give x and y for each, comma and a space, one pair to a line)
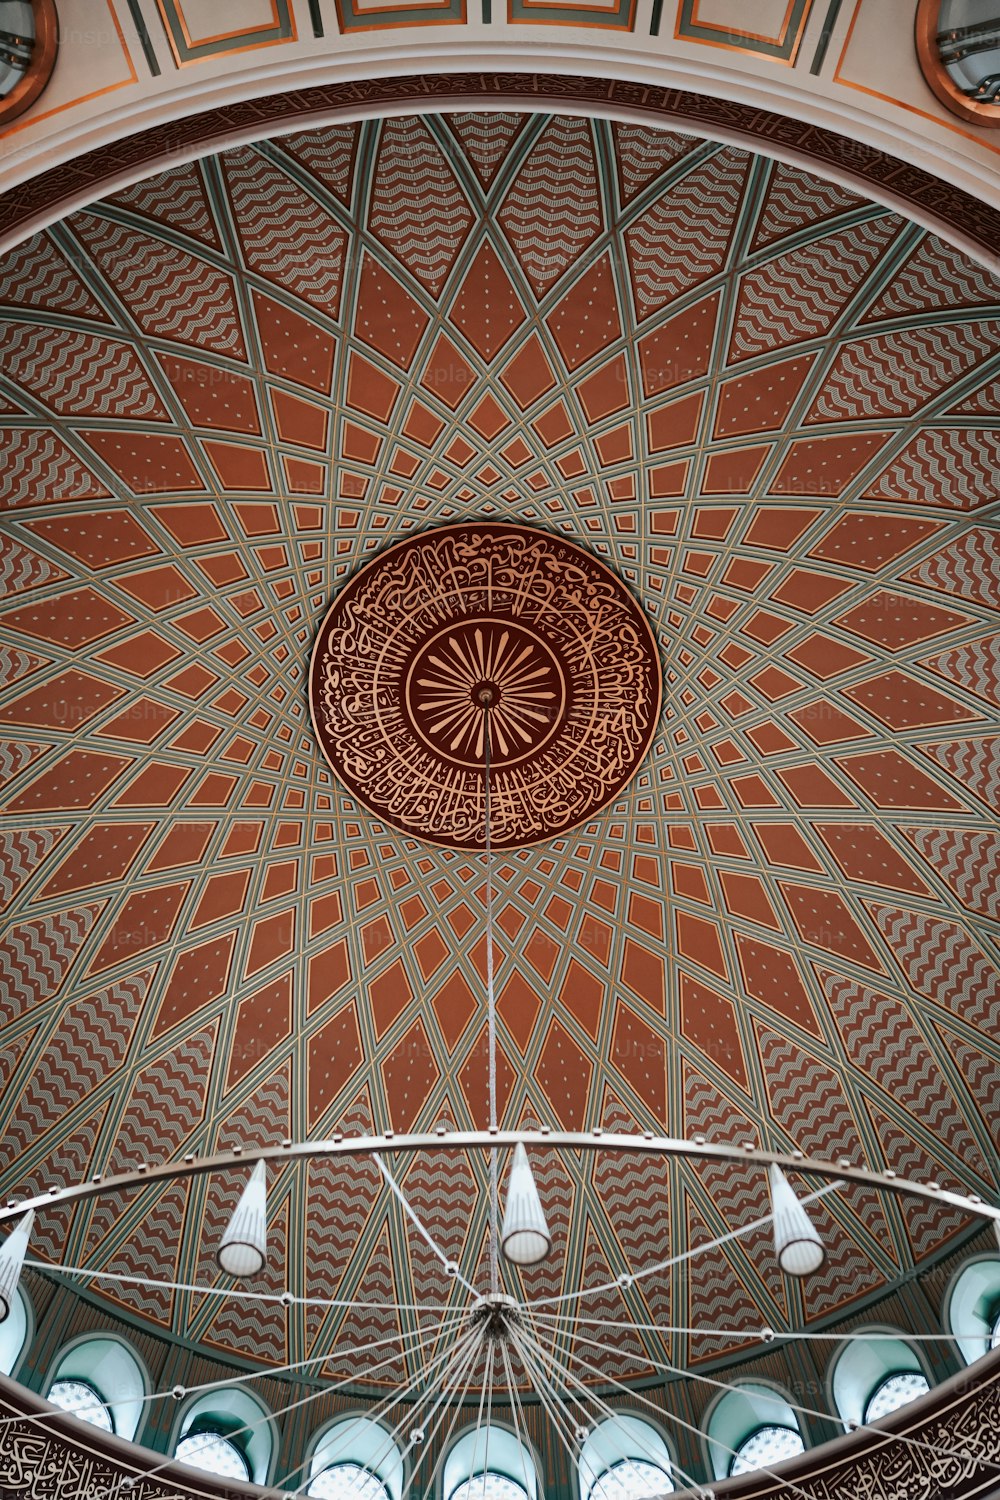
532, 624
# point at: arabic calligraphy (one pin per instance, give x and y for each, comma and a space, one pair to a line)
569, 662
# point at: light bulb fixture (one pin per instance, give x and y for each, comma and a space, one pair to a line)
525, 1237
11, 1260
243, 1248
797, 1243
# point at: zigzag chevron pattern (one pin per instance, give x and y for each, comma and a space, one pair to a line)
845, 1275
552, 210
35, 956
809, 1103
16, 664
982, 1075
716, 1296
10, 1057
936, 276
928, 1225
630, 1358
417, 209
894, 374
20, 568
329, 154
36, 466
22, 850
166, 1103
171, 294
150, 1253
800, 295
982, 403
88, 1045
68, 1161
285, 234
968, 860
708, 1113
953, 466
264, 1116
177, 199
684, 236
644, 154
486, 140
15, 755
969, 567
558, 1193
440, 1189
260, 1326
39, 276
80, 374
363, 1326
883, 1041
976, 666
797, 201
976, 763
941, 961
342, 1200
629, 1190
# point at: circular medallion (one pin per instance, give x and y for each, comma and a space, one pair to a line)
485, 636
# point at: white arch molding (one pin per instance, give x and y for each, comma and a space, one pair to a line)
405, 77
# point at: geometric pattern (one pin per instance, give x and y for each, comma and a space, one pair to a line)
784, 928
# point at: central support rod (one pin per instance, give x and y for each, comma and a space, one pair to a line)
486, 697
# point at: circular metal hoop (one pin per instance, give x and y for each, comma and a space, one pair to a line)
596, 1141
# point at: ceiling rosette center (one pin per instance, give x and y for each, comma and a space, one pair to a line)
485, 636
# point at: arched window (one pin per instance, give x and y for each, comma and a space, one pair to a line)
872, 1377
100, 1381
490, 1464
355, 1459
751, 1427
624, 1458
972, 1308
15, 1332
227, 1432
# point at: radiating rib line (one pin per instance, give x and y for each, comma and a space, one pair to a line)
386, 1402
223, 1291
248, 1427
806, 1411
685, 1255
743, 1333
451, 1316
663, 1412
594, 1396
421, 1227
467, 1372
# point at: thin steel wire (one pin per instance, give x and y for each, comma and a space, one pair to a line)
491, 1014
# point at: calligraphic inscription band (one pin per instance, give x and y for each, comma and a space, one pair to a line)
477, 619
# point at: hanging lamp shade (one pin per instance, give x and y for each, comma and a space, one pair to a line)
525, 1237
12, 1255
797, 1244
243, 1249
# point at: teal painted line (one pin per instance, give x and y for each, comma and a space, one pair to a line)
825, 34
316, 18
695, 31
145, 39
487, 12
654, 25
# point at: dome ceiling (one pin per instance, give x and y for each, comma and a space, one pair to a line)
768, 407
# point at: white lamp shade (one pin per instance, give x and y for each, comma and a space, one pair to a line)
525, 1237
797, 1244
12, 1255
243, 1248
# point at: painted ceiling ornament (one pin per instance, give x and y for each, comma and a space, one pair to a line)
409, 645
